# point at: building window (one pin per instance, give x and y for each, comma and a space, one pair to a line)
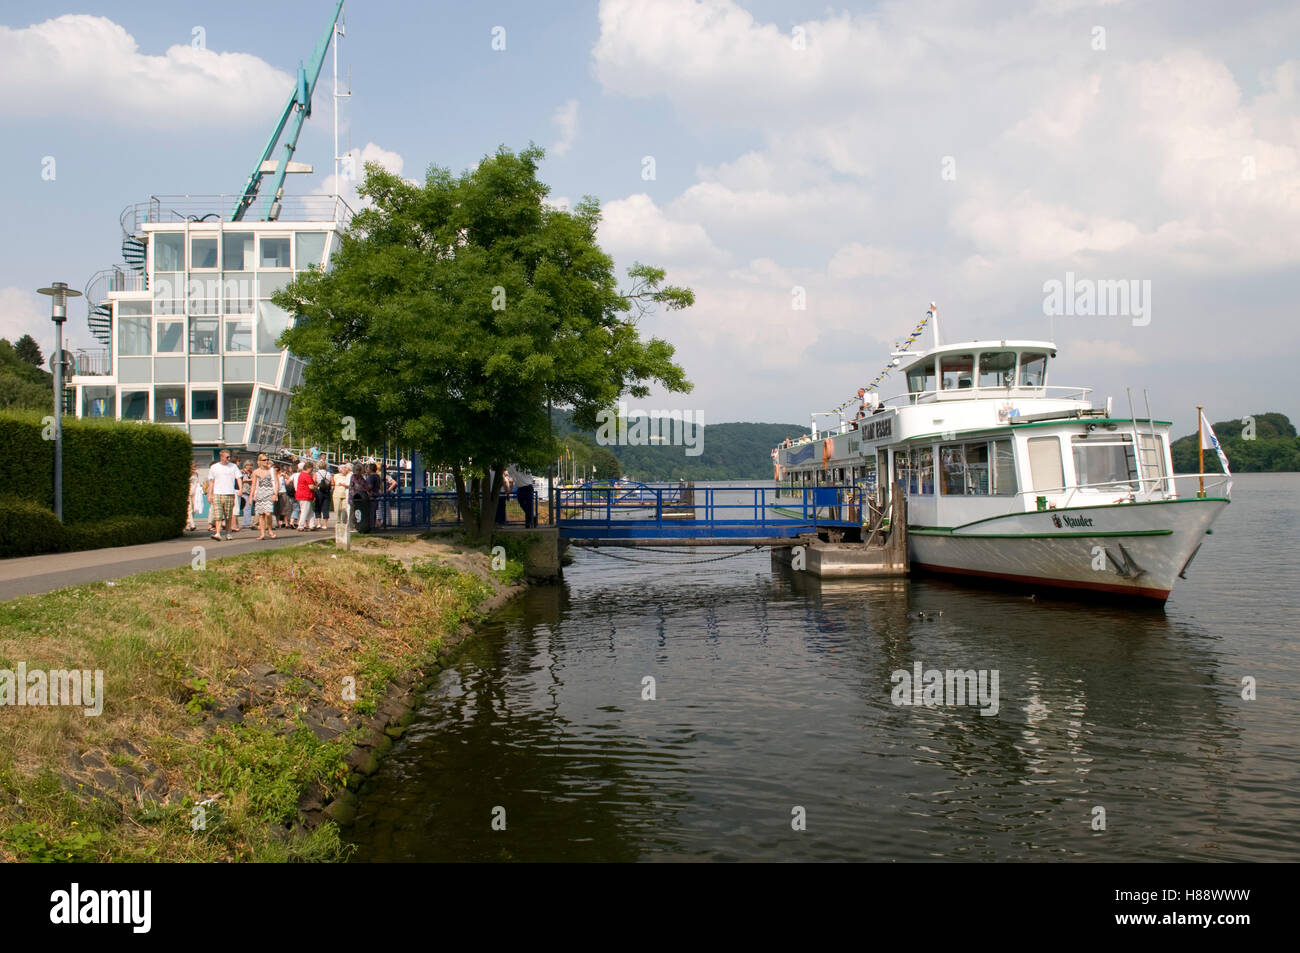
203, 251
238, 399
204, 295
169, 405
133, 333
135, 405
309, 250
203, 335
239, 335
168, 251
203, 405
237, 251
998, 369
171, 337
97, 402
237, 289
275, 252
169, 292
271, 323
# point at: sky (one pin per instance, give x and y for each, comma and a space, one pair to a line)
817, 174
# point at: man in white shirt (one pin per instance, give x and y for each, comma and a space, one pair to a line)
223, 486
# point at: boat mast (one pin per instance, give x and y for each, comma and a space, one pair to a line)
934, 316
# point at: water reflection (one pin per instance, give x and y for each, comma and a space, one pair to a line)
774, 692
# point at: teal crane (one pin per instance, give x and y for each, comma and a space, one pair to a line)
298, 108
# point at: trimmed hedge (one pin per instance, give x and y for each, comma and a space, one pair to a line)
29, 529
123, 483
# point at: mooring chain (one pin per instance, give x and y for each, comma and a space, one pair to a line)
668, 562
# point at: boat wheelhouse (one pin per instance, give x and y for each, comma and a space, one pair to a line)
1010, 477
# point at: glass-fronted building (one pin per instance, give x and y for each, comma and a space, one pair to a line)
188, 326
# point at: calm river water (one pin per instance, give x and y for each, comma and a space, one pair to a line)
773, 706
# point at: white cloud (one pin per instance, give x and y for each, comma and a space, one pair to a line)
91, 66
636, 228
1102, 352
855, 260
352, 172
23, 311
565, 118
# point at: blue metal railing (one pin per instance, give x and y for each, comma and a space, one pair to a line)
649, 511
596, 511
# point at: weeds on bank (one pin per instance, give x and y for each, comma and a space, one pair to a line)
174, 646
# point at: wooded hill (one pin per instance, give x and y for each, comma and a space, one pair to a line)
732, 451
1273, 447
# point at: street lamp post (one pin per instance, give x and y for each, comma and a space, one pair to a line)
59, 293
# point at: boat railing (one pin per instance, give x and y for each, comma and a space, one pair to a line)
1053, 391
1136, 490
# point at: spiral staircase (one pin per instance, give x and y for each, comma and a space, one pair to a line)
127, 277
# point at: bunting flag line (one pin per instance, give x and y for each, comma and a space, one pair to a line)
880, 378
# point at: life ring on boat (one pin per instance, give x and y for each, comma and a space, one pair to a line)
826, 452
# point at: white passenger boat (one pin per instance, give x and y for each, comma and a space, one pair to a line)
1009, 477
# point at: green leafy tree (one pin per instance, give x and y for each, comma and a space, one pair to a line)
29, 351
456, 311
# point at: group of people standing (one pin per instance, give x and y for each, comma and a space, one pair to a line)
274, 496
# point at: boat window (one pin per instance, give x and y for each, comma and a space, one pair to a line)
1033, 369
1004, 469
998, 369
957, 371
1106, 466
923, 471
964, 469
920, 378
1045, 468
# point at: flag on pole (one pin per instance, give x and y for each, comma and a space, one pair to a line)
1210, 442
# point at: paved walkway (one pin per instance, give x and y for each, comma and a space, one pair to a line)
32, 574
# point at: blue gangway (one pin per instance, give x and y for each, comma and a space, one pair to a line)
595, 511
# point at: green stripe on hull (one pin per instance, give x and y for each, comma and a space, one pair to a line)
946, 531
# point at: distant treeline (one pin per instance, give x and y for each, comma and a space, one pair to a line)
1272, 448
734, 451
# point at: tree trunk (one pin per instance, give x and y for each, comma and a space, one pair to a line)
462, 497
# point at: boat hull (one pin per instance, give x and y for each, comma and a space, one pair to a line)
1128, 550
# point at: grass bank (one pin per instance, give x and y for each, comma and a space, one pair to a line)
240, 700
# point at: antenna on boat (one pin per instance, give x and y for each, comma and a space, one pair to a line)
934, 316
